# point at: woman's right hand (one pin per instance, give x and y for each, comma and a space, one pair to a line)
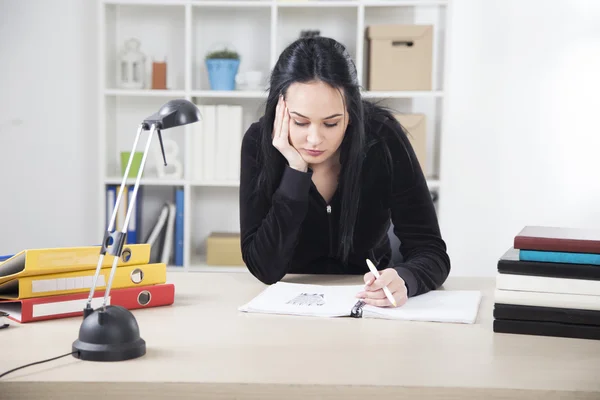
281, 141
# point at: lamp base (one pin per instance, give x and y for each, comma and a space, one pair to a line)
110, 334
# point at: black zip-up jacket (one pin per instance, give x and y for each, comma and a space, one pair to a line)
297, 232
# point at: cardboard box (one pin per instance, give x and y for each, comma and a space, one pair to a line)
224, 248
400, 57
416, 127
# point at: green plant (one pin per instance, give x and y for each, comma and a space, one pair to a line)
227, 54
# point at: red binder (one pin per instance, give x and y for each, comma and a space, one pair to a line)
71, 305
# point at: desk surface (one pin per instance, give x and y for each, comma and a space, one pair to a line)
203, 346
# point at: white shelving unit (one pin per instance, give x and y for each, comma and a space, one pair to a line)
183, 31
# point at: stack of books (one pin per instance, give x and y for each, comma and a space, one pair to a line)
42, 284
548, 284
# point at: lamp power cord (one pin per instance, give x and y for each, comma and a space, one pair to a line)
38, 362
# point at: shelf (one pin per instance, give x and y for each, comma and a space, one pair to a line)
183, 32
316, 4
403, 3
146, 181
147, 2
144, 92
208, 33
225, 3
216, 183
230, 94
402, 94
282, 4
217, 268
257, 94
433, 183
198, 264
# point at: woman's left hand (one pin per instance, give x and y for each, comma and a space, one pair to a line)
374, 294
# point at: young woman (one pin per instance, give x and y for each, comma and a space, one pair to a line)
324, 173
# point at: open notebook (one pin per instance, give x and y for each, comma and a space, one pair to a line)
454, 306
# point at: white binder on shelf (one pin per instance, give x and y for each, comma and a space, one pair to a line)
209, 130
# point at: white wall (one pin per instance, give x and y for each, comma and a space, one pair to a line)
521, 139
48, 164
520, 111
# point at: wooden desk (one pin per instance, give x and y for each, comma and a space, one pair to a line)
202, 347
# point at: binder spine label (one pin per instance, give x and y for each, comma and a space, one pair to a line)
63, 284
64, 307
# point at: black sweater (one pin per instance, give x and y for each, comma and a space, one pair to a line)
295, 231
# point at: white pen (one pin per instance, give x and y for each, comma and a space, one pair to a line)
385, 289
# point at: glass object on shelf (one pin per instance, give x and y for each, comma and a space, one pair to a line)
131, 66
159, 75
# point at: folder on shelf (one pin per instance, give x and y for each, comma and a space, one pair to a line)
156, 237
223, 145
66, 259
133, 228
179, 227
198, 146
71, 305
209, 129
81, 281
168, 248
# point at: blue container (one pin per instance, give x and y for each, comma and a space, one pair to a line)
222, 72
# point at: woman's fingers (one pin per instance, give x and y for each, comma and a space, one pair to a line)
369, 278
385, 278
378, 302
379, 298
278, 118
285, 124
379, 294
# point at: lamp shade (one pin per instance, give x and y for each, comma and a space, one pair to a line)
174, 113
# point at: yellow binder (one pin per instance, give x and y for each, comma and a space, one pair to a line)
67, 259
81, 281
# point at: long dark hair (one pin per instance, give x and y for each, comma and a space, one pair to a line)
323, 59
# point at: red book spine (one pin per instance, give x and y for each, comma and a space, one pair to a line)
64, 306
559, 239
557, 244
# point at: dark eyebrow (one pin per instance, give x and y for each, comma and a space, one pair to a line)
302, 116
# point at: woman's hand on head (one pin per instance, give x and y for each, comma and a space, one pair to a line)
374, 294
281, 134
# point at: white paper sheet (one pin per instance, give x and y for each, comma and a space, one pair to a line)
452, 306
304, 299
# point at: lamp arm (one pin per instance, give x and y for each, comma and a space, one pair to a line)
114, 240
129, 212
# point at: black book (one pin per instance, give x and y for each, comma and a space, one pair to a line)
546, 314
555, 329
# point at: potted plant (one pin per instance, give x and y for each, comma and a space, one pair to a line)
222, 66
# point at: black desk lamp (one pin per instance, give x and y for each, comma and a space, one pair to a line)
111, 333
